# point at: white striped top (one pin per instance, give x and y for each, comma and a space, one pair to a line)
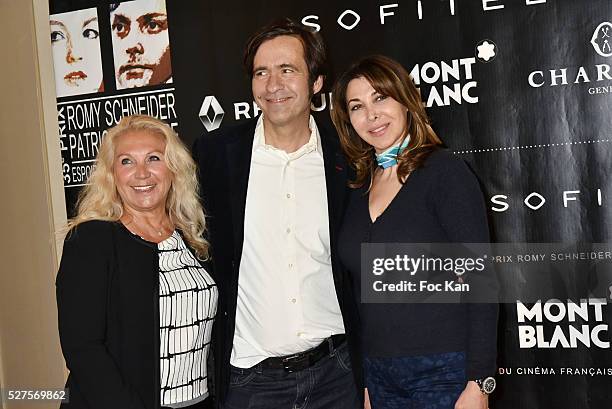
187, 307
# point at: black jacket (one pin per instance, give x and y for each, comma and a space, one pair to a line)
224, 159
108, 311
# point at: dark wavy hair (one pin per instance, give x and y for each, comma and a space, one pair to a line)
389, 78
314, 48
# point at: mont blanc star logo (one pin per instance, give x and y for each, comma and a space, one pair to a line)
211, 113
602, 38
486, 50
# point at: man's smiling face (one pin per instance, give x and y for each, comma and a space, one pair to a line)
280, 81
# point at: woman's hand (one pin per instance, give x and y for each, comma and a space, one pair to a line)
366, 399
472, 398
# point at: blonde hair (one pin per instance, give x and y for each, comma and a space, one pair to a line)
100, 200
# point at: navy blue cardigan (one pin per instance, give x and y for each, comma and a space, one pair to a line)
440, 202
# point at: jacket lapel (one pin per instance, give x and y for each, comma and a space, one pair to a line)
336, 181
336, 174
238, 159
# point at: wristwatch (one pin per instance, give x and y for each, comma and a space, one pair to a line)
486, 385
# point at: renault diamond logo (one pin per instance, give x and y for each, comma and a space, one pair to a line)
211, 113
602, 39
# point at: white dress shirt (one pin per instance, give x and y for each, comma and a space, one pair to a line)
287, 302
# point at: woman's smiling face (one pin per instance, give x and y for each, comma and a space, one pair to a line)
378, 119
141, 175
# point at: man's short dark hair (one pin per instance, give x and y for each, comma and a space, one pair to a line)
312, 43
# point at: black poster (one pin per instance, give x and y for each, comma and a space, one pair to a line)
519, 89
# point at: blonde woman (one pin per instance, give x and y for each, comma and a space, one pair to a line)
136, 301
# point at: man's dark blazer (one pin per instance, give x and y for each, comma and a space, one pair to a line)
224, 160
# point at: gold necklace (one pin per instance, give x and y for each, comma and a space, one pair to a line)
138, 228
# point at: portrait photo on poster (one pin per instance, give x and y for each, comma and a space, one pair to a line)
75, 43
141, 45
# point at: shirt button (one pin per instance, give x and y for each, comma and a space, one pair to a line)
293, 300
288, 229
300, 334
288, 195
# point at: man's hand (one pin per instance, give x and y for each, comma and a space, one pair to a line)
472, 398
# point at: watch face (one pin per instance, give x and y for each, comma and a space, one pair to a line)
488, 385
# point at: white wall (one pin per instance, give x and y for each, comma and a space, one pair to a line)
31, 202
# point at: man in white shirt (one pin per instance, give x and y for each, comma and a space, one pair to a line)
275, 189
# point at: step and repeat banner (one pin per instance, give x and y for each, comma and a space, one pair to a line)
519, 89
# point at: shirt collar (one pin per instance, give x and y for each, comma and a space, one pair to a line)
313, 144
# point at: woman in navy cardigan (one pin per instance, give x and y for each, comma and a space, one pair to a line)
409, 190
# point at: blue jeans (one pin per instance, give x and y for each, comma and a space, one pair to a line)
417, 382
328, 384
